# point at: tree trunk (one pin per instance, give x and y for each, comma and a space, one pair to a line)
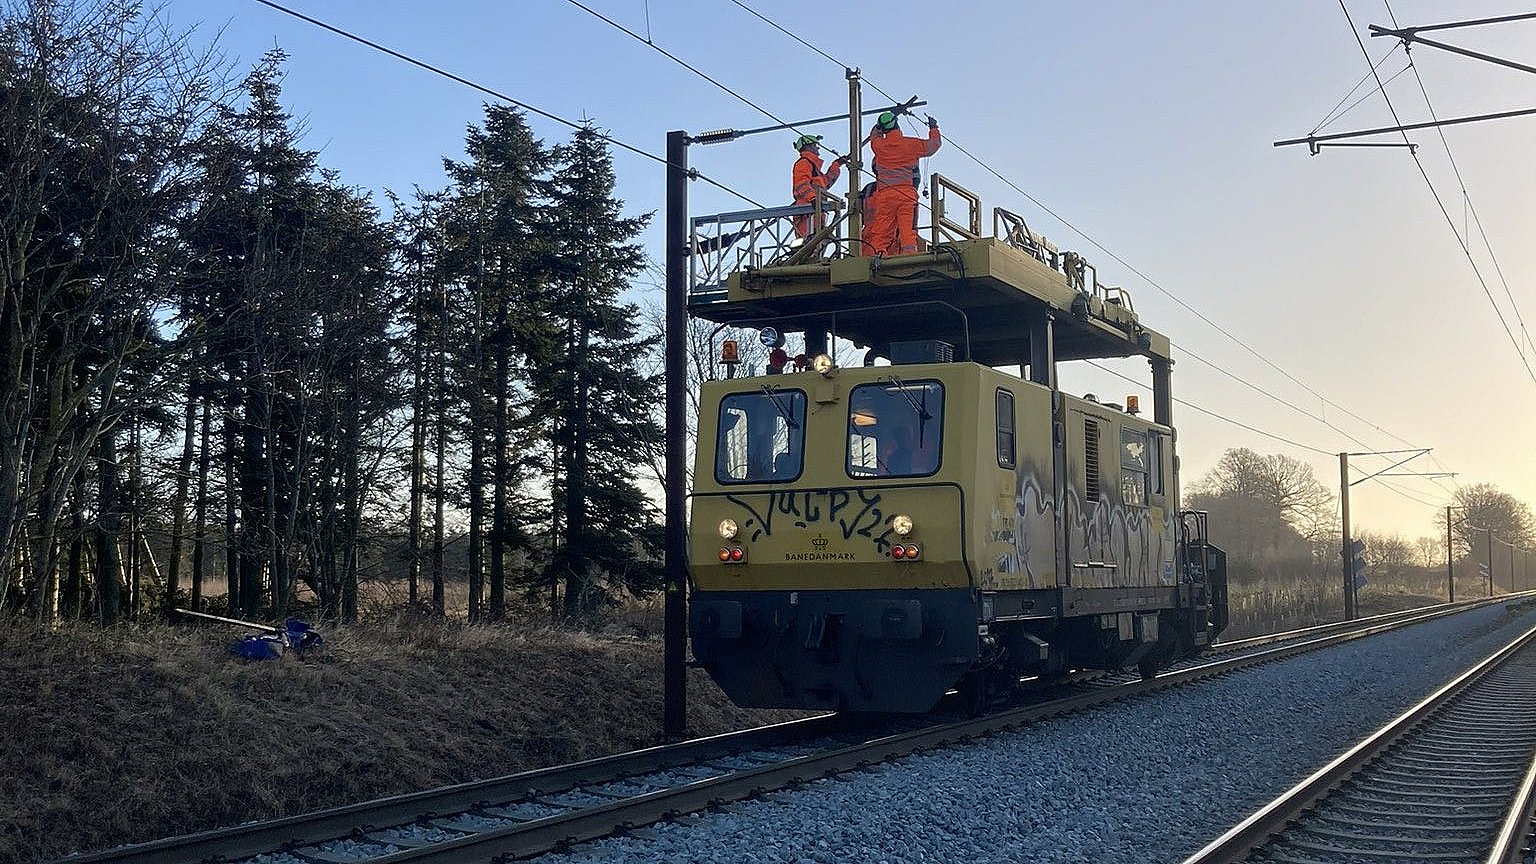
135, 523
576, 599
179, 500
108, 526
440, 411
351, 430
253, 494
418, 451
477, 414
476, 508
72, 603
277, 563
500, 479
200, 530
556, 506
231, 502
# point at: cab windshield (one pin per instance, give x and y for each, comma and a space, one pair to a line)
894, 429
761, 438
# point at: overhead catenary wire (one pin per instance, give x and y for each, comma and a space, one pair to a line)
715, 81
1466, 196
1355, 104
518, 103
1440, 202
686, 65
1331, 116
1219, 416
949, 139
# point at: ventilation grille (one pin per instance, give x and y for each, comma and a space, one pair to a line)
1091, 458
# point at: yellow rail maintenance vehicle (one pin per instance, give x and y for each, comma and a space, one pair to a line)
872, 537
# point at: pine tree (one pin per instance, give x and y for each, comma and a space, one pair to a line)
596, 403
498, 221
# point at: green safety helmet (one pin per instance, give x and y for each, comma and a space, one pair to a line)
805, 141
887, 121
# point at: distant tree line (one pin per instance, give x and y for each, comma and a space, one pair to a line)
219, 362
1279, 525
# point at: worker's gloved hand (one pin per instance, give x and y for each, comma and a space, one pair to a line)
933, 123
841, 160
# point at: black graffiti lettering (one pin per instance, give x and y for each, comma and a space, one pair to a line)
837, 510
867, 519
837, 499
812, 511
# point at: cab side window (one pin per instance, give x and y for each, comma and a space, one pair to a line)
1006, 457
1133, 468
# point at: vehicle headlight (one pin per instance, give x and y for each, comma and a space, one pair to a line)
822, 364
901, 523
727, 529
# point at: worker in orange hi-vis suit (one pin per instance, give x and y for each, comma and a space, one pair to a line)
866, 230
808, 178
894, 223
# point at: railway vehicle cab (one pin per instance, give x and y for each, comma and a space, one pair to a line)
872, 537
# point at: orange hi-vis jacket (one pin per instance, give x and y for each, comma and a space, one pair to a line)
808, 176
896, 156
892, 225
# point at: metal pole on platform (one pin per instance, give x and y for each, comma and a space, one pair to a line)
855, 163
675, 639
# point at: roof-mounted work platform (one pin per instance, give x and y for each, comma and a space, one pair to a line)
985, 295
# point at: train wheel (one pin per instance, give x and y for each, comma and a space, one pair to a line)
982, 690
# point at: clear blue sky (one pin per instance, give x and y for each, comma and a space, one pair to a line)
1148, 126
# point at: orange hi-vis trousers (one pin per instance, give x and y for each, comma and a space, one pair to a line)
893, 229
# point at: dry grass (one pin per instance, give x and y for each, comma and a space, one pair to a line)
136, 733
1259, 606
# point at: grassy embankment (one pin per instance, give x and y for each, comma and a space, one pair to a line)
149, 731
142, 732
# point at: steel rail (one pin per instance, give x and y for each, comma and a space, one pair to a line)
1336, 626
1271, 819
540, 835
1515, 832
339, 822
562, 830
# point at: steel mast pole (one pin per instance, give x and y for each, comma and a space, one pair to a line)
1450, 570
675, 370
1349, 581
1489, 547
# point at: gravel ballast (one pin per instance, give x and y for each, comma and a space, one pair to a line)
1151, 779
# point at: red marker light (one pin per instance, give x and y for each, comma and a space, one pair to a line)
737, 554
777, 359
898, 552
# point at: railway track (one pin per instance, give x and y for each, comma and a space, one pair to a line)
1450, 780
539, 811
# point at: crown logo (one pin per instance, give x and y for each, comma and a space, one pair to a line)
819, 541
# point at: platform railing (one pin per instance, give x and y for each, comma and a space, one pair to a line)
724, 243
944, 228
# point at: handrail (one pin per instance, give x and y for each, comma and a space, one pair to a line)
943, 228
724, 243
